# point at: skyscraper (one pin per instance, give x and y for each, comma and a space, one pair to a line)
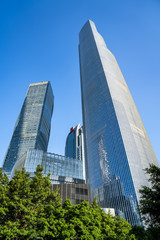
116, 143
32, 129
75, 145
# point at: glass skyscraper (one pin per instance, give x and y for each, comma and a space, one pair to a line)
32, 129
116, 143
74, 147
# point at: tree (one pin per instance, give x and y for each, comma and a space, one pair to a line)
140, 232
150, 198
29, 210
26, 206
151, 233
91, 222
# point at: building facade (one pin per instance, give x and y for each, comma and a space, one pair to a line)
74, 147
66, 174
116, 143
75, 192
62, 169
32, 129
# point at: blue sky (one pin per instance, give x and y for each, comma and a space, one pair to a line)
39, 42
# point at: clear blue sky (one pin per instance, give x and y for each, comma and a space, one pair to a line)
39, 42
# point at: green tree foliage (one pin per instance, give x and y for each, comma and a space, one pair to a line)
27, 205
150, 207
140, 233
90, 222
150, 198
151, 233
29, 210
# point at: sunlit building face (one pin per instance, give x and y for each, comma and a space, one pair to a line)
32, 129
117, 148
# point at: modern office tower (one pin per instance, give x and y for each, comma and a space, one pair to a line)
117, 148
66, 173
32, 129
75, 145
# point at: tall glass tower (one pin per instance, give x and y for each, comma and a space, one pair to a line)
75, 145
32, 129
116, 143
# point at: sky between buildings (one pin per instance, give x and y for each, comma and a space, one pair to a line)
39, 42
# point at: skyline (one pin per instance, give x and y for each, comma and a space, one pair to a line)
31, 52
